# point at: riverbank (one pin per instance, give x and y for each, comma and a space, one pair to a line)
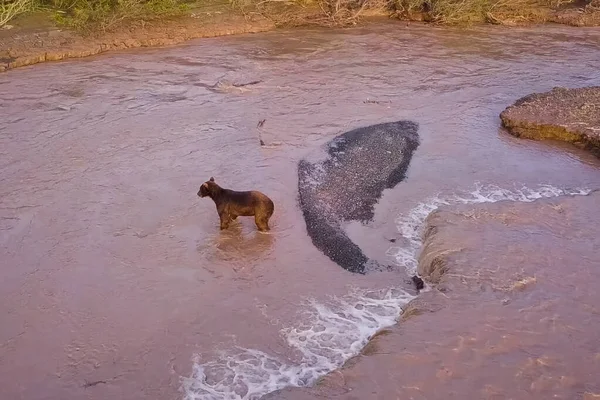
36, 38
505, 320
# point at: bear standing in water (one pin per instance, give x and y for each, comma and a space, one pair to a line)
231, 204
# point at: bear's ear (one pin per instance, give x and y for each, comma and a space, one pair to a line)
212, 179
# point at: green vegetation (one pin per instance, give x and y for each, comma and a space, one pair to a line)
101, 15
94, 14
104, 14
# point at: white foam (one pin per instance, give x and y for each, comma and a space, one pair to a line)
330, 335
334, 332
410, 225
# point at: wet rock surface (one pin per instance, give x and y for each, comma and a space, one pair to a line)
346, 185
571, 115
504, 320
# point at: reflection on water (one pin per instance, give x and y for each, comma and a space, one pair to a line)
113, 269
233, 245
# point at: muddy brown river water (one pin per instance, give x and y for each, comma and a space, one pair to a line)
115, 281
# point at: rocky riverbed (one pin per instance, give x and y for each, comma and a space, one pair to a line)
345, 186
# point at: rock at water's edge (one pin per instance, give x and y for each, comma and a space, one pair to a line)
358, 166
570, 115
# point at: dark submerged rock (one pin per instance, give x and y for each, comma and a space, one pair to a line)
419, 284
358, 166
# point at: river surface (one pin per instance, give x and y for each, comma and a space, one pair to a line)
115, 280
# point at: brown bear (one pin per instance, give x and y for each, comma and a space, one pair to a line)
231, 204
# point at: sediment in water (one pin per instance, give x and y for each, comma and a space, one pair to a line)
358, 167
570, 115
513, 313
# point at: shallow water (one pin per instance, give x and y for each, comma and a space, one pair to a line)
115, 279
511, 318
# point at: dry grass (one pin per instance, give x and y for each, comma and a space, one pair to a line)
312, 12
11, 8
446, 12
465, 12
593, 6
344, 12
102, 15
